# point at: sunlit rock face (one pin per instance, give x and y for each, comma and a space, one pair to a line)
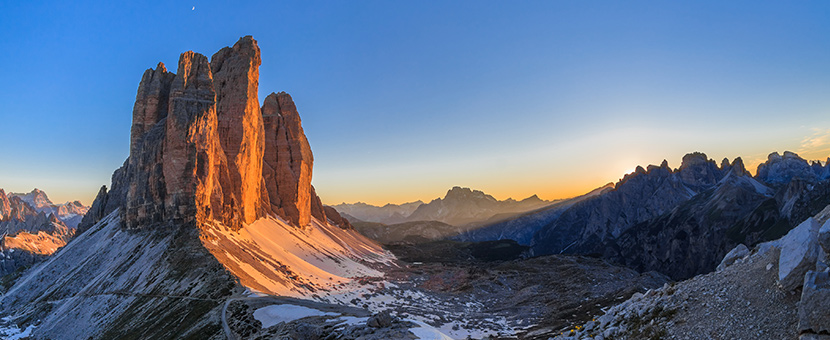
202, 149
236, 80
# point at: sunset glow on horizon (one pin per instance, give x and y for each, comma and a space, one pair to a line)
402, 101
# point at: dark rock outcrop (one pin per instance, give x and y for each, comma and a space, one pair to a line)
288, 161
335, 217
779, 169
681, 222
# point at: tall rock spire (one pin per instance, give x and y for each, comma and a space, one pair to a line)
236, 79
287, 161
192, 155
150, 102
202, 149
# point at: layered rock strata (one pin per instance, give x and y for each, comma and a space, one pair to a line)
202, 149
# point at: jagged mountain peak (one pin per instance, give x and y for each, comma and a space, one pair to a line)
461, 193
202, 149
214, 198
694, 159
36, 198
779, 169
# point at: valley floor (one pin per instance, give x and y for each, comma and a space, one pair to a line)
456, 297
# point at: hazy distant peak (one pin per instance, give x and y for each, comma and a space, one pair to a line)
693, 159
780, 169
534, 198
466, 193
36, 198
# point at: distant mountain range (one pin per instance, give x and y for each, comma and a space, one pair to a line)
70, 213
387, 214
33, 227
679, 222
461, 210
459, 207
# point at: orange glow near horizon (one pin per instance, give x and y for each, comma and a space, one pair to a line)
571, 183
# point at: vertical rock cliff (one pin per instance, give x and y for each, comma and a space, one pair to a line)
236, 79
202, 149
214, 199
287, 160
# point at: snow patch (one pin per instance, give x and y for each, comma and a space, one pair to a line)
427, 332
275, 314
14, 333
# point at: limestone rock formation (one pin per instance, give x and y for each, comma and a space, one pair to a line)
240, 127
799, 250
29, 234
813, 316
287, 161
201, 149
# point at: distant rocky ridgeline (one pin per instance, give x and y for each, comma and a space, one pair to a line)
202, 149
460, 206
680, 222
32, 227
69, 212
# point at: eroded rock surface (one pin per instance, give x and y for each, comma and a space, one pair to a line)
202, 149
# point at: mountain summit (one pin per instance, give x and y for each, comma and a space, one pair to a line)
215, 200
201, 148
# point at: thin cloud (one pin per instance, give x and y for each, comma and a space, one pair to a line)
817, 145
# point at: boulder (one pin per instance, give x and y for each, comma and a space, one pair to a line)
814, 309
738, 252
824, 236
380, 320
799, 250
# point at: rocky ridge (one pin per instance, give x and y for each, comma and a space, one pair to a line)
777, 290
459, 207
682, 221
387, 214
69, 213
32, 229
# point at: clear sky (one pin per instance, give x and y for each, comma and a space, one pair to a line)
402, 100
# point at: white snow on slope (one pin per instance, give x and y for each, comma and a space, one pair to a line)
15, 333
427, 332
274, 314
273, 257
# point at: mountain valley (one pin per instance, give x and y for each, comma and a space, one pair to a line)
212, 229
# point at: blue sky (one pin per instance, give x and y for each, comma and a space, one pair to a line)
402, 100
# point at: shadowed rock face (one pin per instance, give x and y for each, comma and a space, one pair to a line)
202, 149
287, 161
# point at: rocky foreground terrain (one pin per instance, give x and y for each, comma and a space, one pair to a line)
777, 290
